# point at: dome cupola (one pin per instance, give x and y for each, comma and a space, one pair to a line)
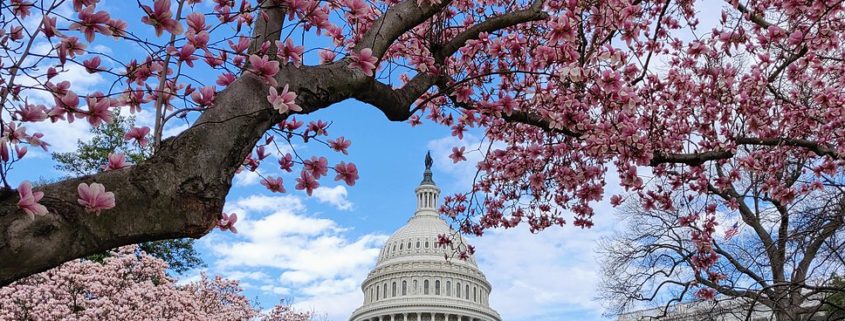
414, 281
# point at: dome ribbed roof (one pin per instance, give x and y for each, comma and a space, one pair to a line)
417, 240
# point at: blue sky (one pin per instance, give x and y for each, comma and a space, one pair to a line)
316, 250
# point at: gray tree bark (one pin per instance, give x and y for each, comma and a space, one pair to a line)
180, 191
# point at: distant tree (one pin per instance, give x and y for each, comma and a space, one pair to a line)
91, 156
835, 304
129, 285
775, 259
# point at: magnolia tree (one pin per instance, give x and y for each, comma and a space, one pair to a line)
567, 92
129, 285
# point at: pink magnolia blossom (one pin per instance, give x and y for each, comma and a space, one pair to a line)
117, 28
196, 22
116, 161
363, 60
35, 140
94, 197
286, 162
346, 172
227, 222
4, 150
91, 22
261, 152
458, 154
92, 65
49, 26
274, 184
414, 120
289, 52
225, 79
317, 167
357, 8
284, 101
29, 200
20, 151
21, 8
79, 4
161, 18
264, 68
306, 182
15, 133
340, 144
98, 109
204, 96
70, 47
139, 134
326, 56
184, 53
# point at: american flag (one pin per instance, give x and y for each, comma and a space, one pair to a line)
731, 232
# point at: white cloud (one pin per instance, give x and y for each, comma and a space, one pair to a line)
312, 259
247, 178
541, 276
61, 136
335, 196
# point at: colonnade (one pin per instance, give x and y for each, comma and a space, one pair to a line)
422, 316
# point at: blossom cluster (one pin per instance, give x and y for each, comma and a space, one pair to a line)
130, 285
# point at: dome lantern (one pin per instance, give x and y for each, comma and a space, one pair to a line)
427, 193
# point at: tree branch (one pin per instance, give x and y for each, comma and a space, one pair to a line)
178, 192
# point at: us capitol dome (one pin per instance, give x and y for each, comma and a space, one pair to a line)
413, 281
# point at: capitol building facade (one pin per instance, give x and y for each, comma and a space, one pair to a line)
413, 280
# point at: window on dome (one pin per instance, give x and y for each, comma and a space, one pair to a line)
437, 287
378, 291
385, 290
416, 287
448, 288
466, 293
418, 244
404, 288
425, 287
401, 245
458, 290
409, 245
474, 294
426, 244
393, 293
371, 295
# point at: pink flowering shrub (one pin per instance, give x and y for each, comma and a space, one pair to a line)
129, 285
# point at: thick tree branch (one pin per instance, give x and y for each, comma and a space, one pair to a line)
395, 103
756, 19
397, 20
694, 159
178, 192
828, 230
269, 29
